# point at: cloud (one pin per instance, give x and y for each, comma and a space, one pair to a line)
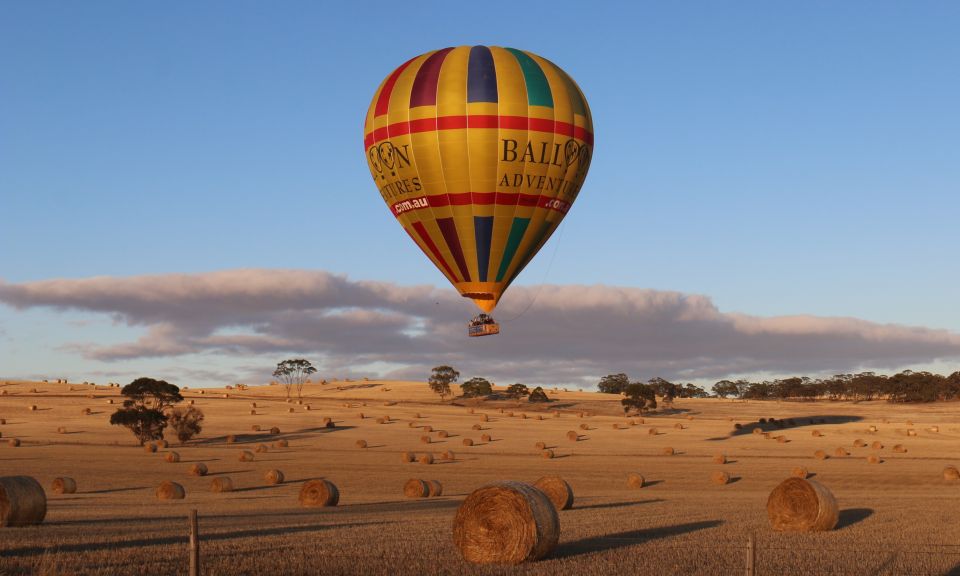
569, 335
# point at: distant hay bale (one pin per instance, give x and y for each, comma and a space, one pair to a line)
678, 426
584, 427
858, 443
719, 458
899, 448
719, 477
33, 407
253, 412
934, 429
255, 427
428, 428
873, 428
541, 445
547, 454
261, 448
3, 421
172, 457
328, 423
290, 410
246, 456
580, 414
274, 430
652, 432
873, 459
281, 444
408, 457
782, 439
689, 417
168, 490
253, 404
527, 525
22, 501
411, 424
442, 434
840, 451
231, 438
86, 412
877, 445
61, 430
572, 436
425, 458
150, 447
381, 421
435, 487
510, 414
799, 505
738, 426
64, 485
273, 476
416, 488
799, 472
951, 473
221, 484
820, 455
816, 433
668, 451
319, 493
425, 439
763, 420
361, 443
757, 431
109, 401
484, 418
467, 442
909, 422
766, 435
911, 432
477, 427
361, 416
448, 455
634, 480
198, 469
485, 438
557, 490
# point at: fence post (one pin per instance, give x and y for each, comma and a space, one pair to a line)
751, 556
194, 545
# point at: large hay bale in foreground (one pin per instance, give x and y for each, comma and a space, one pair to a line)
436, 488
22, 501
273, 477
634, 480
221, 484
64, 485
172, 457
168, 490
799, 505
720, 477
951, 473
319, 493
506, 523
198, 469
416, 488
557, 490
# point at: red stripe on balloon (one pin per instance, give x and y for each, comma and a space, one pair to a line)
477, 121
481, 199
383, 101
425, 236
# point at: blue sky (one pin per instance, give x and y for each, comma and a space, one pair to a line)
777, 158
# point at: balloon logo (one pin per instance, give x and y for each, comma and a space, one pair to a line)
479, 152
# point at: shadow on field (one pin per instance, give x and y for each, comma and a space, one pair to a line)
632, 538
851, 516
618, 504
772, 425
114, 490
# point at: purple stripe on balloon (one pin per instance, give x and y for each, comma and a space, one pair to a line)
424, 91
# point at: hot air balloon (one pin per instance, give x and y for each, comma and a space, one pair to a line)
479, 152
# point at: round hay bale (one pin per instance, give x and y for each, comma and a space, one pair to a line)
198, 469
934, 429
253, 412
428, 428
557, 490
13, 442
467, 442
484, 418
678, 426
547, 454
436, 488
442, 434
877, 445
149, 447
253, 404
858, 443
425, 439
416, 488
246, 456
109, 401
382, 421
873, 459
328, 423
387, 419
799, 505
448, 455
3, 421
361, 443
584, 426
911, 432
873, 428
766, 435
61, 430
361, 416
510, 414
799, 472
319, 493
840, 451
273, 477
64, 485
163, 444
951, 473
572, 436
407, 457
719, 458
221, 484
230, 439
909, 422
652, 432
719, 477
22, 501
541, 446
738, 426
33, 407
281, 444
634, 480
668, 451
290, 410
172, 457
781, 439
274, 430
899, 448
477, 427
527, 527
261, 448
86, 412
757, 431
168, 490
425, 458
820, 455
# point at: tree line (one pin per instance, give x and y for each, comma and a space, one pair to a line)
906, 386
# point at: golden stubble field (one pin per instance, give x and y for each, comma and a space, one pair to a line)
897, 517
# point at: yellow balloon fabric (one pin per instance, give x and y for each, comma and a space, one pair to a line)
479, 152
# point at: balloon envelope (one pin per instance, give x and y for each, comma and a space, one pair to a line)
479, 152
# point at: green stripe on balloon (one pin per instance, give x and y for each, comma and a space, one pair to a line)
538, 89
517, 231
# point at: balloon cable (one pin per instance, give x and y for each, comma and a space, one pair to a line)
546, 273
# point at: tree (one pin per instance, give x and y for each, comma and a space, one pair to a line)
476, 387
186, 423
143, 410
145, 423
441, 377
518, 390
538, 395
613, 383
639, 397
294, 372
725, 388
